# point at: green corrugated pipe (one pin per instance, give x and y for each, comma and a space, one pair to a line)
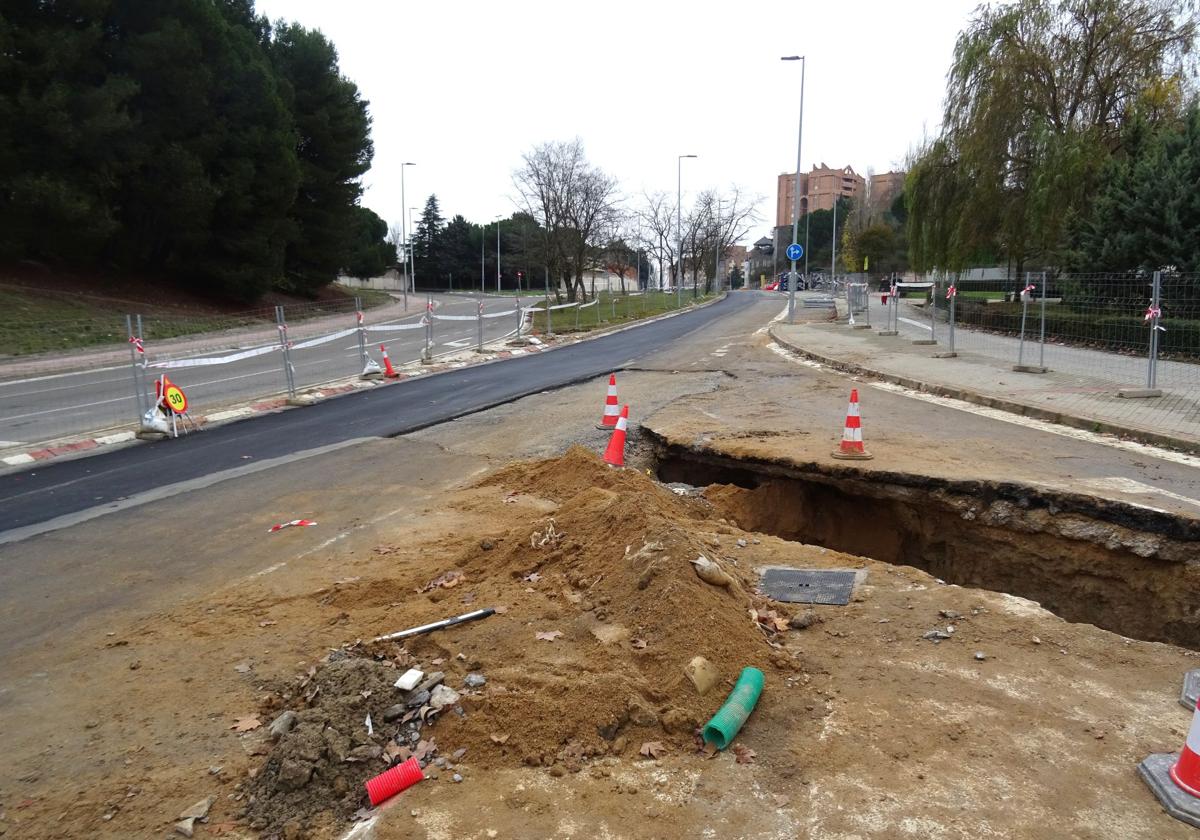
724, 726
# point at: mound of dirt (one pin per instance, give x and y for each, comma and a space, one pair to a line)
321, 763
600, 611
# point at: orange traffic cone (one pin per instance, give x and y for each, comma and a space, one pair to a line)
1175, 780
615, 454
609, 418
851, 447
388, 370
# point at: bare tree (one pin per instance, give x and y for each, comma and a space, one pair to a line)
575, 202
714, 225
658, 231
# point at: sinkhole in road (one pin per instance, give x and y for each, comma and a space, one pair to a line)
1124, 568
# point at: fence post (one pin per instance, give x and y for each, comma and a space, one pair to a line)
577, 317
362, 334
137, 381
1042, 336
427, 358
1156, 314
933, 310
953, 293
288, 374
1020, 366
951, 297
479, 319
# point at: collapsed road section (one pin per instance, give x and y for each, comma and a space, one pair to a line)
1126, 568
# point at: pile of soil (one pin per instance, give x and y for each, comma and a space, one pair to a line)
599, 611
321, 763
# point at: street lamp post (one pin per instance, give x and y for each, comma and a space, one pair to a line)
412, 250
404, 230
796, 198
717, 261
679, 223
497, 220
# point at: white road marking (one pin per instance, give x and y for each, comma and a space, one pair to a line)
1129, 485
168, 491
1008, 417
462, 342
4, 444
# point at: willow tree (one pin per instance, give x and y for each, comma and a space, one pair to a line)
1036, 99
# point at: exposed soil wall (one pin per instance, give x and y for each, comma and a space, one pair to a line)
1123, 568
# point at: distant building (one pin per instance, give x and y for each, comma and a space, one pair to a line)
884, 188
819, 189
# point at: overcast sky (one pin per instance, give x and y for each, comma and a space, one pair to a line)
462, 89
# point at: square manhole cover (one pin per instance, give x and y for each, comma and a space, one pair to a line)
808, 586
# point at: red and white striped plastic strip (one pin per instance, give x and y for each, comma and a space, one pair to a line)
951, 292
392, 327
295, 523
1030, 289
214, 360
325, 339
1152, 312
137, 344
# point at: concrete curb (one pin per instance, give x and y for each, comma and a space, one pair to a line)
1090, 424
72, 447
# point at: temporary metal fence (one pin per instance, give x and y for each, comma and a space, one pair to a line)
1137, 330
292, 349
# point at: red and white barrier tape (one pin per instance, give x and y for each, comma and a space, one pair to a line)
295, 523
137, 344
951, 292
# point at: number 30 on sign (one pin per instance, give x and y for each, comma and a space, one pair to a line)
175, 399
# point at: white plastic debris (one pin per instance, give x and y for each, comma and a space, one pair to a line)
409, 679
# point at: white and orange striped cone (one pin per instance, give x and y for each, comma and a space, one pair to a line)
388, 370
1175, 779
615, 454
611, 409
851, 447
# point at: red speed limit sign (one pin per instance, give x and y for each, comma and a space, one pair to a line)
175, 399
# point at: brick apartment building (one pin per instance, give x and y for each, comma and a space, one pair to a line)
821, 187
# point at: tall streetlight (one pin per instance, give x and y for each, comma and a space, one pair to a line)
404, 231
796, 198
497, 220
679, 222
412, 251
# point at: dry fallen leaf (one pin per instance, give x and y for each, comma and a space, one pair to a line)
548, 635
498, 738
653, 749
638, 644
709, 750
446, 580
394, 753
437, 661
743, 754
245, 723
424, 750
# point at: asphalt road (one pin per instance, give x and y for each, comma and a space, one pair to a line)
59, 491
40, 408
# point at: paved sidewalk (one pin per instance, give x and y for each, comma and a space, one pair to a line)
1064, 397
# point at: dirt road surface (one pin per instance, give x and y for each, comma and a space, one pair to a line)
145, 635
